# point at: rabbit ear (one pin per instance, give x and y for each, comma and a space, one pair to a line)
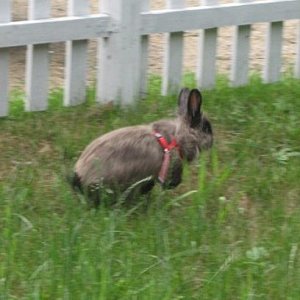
194, 107
183, 101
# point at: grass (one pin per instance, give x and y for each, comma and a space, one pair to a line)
230, 231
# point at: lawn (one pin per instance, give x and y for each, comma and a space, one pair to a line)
229, 231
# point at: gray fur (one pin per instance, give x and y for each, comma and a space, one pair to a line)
127, 155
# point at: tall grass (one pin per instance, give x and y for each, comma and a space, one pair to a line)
230, 231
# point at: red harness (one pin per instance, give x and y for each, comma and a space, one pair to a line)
167, 147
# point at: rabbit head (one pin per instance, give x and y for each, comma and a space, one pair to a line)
194, 132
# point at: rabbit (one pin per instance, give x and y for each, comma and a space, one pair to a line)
119, 159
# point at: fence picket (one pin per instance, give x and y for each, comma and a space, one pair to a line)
144, 55
120, 54
273, 52
173, 56
4, 62
76, 60
240, 53
37, 62
297, 64
206, 70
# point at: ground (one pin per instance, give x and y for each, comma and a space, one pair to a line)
58, 9
229, 231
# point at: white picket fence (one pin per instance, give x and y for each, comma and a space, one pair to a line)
123, 28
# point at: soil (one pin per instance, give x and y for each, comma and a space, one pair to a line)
57, 50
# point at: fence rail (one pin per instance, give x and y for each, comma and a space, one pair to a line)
122, 28
55, 30
206, 17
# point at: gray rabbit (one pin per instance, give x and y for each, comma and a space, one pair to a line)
121, 158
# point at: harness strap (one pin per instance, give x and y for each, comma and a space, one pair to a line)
167, 147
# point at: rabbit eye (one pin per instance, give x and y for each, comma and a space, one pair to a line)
206, 127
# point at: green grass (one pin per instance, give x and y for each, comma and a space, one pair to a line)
229, 231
